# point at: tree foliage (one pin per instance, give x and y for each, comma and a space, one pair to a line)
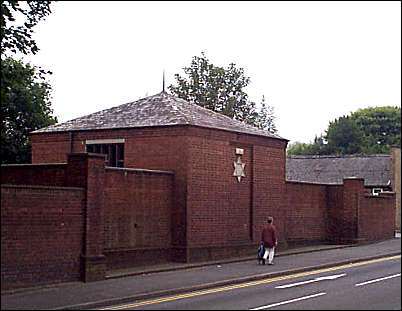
344, 136
265, 118
15, 36
25, 107
370, 130
25, 93
381, 127
221, 90
318, 147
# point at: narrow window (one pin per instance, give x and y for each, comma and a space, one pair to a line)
114, 152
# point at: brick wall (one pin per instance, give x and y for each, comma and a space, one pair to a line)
138, 205
307, 212
353, 189
218, 205
50, 148
376, 217
334, 210
165, 149
269, 189
41, 235
39, 174
210, 207
225, 217
212, 214
150, 148
43, 209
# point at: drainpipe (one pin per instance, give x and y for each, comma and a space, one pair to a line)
71, 142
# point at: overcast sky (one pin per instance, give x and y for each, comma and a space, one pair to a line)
314, 62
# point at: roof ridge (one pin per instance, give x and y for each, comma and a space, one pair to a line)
220, 115
189, 119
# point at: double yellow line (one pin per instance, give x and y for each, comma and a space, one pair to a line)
247, 284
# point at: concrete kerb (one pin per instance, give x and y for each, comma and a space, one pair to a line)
181, 290
184, 267
220, 262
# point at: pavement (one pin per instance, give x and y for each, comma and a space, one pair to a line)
139, 283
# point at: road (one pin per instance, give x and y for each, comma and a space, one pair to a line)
369, 285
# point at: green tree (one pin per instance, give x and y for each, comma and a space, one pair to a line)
365, 131
381, 127
17, 37
318, 147
221, 90
25, 93
25, 107
298, 148
344, 136
265, 118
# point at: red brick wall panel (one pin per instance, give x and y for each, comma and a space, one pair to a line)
218, 205
42, 174
335, 210
353, 190
138, 209
307, 212
376, 217
50, 148
41, 234
159, 150
269, 189
225, 216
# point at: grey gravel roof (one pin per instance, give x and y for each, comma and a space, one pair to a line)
375, 169
161, 109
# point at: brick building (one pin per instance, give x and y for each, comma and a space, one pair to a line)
161, 132
176, 182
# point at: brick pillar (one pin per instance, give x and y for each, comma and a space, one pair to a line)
396, 183
88, 171
353, 189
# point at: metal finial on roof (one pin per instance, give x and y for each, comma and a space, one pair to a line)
163, 84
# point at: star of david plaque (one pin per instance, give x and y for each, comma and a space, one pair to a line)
239, 169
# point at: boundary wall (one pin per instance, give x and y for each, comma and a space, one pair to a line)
76, 220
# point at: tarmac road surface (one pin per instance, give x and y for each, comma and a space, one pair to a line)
369, 285
146, 286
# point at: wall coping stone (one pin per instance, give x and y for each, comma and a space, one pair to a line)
42, 187
138, 170
33, 164
382, 195
312, 183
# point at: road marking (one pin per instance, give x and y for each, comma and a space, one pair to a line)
323, 278
247, 284
288, 301
378, 280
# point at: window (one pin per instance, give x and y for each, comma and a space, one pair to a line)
114, 151
376, 191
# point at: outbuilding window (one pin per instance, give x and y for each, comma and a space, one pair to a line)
113, 149
376, 191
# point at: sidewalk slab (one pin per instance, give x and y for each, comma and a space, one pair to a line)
79, 295
182, 266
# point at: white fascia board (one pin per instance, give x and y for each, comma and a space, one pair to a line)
104, 141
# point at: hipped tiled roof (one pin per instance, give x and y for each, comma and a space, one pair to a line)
375, 169
161, 109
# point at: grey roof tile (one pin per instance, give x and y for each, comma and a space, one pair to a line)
375, 169
161, 109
